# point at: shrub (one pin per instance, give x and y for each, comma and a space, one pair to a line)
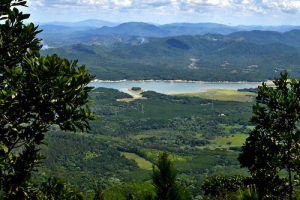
223, 187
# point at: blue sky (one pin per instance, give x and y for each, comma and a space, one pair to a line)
231, 12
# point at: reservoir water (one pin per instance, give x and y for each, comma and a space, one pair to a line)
173, 87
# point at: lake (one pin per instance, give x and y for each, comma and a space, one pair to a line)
173, 87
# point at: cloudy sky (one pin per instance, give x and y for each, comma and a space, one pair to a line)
231, 12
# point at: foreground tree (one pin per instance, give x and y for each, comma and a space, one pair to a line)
36, 93
272, 153
99, 195
164, 180
223, 187
55, 189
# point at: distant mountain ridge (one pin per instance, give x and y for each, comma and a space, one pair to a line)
291, 38
86, 23
204, 27
133, 29
61, 33
177, 29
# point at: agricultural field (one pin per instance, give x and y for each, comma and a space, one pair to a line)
224, 95
141, 162
202, 137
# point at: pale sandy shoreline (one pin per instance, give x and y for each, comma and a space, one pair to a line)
174, 81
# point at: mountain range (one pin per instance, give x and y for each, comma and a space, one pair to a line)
206, 51
209, 57
92, 23
93, 30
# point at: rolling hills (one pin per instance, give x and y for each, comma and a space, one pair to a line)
211, 57
91, 30
291, 38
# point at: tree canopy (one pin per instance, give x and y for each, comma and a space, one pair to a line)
36, 93
271, 153
164, 179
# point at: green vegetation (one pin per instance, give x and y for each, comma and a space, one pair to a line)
223, 187
141, 162
55, 189
271, 153
36, 94
198, 140
130, 191
164, 180
194, 140
207, 58
224, 95
228, 142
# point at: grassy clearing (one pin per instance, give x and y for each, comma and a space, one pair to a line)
234, 129
236, 140
141, 162
126, 100
129, 100
225, 142
136, 95
224, 95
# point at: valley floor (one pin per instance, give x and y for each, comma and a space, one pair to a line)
203, 134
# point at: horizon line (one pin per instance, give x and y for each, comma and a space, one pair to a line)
160, 24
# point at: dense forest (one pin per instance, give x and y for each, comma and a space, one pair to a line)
190, 129
240, 57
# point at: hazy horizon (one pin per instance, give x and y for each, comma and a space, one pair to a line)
149, 22
229, 12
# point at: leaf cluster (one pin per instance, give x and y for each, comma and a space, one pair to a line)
164, 177
36, 94
271, 153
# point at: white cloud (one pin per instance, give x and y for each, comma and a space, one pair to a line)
123, 3
284, 5
36, 3
259, 6
171, 10
219, 3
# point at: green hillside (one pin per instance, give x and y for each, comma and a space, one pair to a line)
208, 58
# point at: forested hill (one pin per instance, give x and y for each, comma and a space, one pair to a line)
60, 33
235, 57
291, 38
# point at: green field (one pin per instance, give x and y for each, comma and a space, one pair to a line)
224, 95
141, 162
202, 137
225, 142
